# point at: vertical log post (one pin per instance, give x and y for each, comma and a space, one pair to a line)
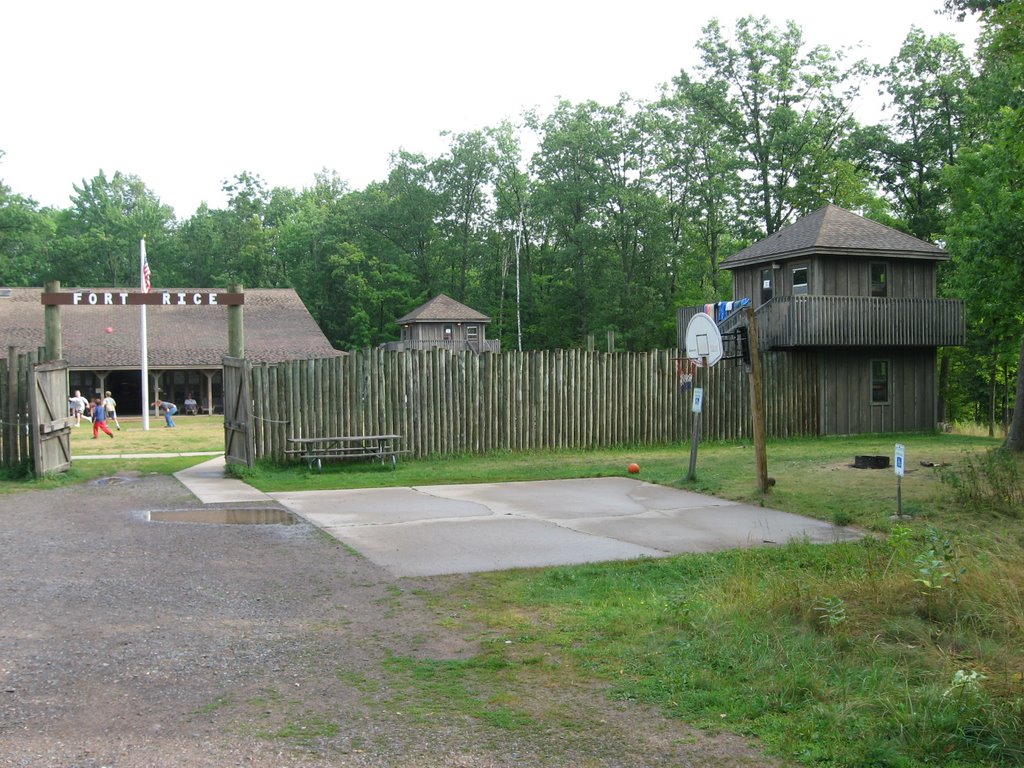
51, 312
11, 421
236, 327
757, 404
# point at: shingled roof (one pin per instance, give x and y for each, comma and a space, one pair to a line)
832, 230
277, 327
443, 308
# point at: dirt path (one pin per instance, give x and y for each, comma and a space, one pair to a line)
128, 643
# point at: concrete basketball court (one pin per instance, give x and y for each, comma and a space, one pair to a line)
446, 529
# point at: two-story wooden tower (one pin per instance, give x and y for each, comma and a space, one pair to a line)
859, 299
446, 323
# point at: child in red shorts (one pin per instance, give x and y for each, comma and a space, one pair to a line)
99, 419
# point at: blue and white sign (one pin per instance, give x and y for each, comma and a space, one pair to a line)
900, 457
698, 399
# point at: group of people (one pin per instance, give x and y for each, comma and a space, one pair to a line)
102, 408
97, 411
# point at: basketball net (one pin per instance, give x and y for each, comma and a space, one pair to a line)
685, 370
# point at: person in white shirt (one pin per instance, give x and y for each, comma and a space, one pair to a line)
110, 405
78, 407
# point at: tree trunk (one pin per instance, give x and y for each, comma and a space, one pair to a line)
992, 396
1015, 436
943, 389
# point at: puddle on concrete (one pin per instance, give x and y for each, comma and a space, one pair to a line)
225, 516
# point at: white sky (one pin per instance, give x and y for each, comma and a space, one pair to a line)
188, 94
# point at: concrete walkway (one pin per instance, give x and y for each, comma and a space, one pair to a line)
445, 529
210, 485
146, 455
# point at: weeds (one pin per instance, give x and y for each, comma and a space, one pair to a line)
992, 480
832, 611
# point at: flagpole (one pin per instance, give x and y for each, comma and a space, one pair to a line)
144, 284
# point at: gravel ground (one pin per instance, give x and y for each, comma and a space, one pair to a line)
129, 643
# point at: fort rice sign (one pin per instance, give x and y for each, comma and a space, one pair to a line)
131, 298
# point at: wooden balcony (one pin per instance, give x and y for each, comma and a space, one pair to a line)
860, 321
452, 345
852, 321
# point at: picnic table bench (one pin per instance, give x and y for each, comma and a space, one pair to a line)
315, 449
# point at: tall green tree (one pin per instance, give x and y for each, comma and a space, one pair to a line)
505, 278
25, 235
786, 110
701, 183
247, 232
399, 220
463, 178
926, 85
572, 257
986, 227
97, 240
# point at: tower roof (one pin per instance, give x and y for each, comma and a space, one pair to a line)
442, 308
831, 230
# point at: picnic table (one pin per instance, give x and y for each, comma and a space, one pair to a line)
315, 449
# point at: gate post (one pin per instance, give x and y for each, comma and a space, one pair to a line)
54, 345
10, 415
236, 327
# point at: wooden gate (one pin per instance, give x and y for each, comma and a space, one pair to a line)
48, 417
238, 445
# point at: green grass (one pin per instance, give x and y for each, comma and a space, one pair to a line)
191, 433
477, 687
844, 655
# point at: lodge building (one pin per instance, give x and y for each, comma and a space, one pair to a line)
186, 334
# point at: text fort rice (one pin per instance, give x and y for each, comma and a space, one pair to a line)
158, 298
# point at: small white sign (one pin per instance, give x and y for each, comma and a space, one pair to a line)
698, 399
900, 456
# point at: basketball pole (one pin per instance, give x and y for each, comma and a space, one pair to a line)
692, 475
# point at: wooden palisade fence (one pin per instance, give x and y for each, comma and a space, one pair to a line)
15, 370
444, 402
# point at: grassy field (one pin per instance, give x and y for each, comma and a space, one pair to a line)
905, 649
192, 434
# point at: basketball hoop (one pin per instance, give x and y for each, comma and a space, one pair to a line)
703, 340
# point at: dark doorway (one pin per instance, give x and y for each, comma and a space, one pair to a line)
126, 388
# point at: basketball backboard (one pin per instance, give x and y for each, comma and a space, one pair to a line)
703, 340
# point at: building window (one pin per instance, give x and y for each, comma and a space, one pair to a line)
879, 280
471, 332
800, 280
766, 286
447, 332
879, 381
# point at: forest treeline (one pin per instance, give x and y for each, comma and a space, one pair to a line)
595, 217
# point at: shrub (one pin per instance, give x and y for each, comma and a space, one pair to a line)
993, 480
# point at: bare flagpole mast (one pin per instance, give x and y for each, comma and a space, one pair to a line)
519, 242
144, 284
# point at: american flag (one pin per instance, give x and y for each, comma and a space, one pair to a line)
147, 285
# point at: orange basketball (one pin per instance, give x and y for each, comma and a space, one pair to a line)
633, 468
